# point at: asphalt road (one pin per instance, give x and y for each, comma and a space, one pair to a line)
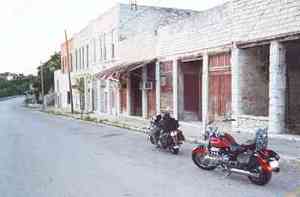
46, 156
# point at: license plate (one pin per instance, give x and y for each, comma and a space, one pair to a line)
274, 164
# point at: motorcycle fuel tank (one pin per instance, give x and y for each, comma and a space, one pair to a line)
222, 142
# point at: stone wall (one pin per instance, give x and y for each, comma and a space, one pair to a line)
246, 123
254, 81
293, 92
166, 86
257, 19
207, 29
138, 48
147, 19
235, 21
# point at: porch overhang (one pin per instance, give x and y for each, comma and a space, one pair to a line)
115, 72
285, 37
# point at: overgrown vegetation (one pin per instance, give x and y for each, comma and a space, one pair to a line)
48, 70
15, 87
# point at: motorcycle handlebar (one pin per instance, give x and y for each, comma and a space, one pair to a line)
224, 120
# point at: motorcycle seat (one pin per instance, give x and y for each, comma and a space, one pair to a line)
236, 147
249, 144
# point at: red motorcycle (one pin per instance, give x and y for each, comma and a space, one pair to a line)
252, 159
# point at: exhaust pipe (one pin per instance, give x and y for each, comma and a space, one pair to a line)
243, 172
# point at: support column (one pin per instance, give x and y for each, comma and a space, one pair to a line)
205, 91
98, 87
175, 88
157, 86
109, 97
90, 95
277, 89
86, 92
236, 64
128, 95
144, 94
118, 100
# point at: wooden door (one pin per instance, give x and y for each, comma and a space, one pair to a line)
136, 93
191, 92
123, 97
219, 93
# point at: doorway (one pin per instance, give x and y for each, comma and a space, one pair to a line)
190, 90
136, 92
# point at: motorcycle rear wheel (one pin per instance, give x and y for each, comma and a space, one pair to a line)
199, 158
263, 178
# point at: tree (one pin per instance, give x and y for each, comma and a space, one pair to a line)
48, 70
16, 86
79, 86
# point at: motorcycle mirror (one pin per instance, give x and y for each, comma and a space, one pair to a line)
210, 122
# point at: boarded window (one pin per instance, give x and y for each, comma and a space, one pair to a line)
166, 85
219, 60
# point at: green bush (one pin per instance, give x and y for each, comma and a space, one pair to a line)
14, 87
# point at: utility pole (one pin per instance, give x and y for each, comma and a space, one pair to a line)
42, 84
69, 71
133, 4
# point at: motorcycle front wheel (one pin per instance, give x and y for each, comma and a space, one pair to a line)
202, 162
152, 140
174, 150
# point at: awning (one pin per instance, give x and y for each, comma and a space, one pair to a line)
116, 71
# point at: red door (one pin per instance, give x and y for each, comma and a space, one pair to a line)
219, 93
123, 95
191, 92
136, 93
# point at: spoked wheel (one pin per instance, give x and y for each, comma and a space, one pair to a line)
152, 140
201, 160
263, 177
174, 150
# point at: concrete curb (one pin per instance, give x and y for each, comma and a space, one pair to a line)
7, 98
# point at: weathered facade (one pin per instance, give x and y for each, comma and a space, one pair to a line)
236, 59
115, 56
246, 51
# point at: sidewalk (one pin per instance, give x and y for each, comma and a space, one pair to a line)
288, 146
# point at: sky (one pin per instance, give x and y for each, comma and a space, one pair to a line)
32, 30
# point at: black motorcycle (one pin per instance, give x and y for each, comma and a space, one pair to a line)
164, 133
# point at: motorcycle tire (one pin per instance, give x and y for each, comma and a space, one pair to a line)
175, 151
263, 178
197, 160
152, 140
